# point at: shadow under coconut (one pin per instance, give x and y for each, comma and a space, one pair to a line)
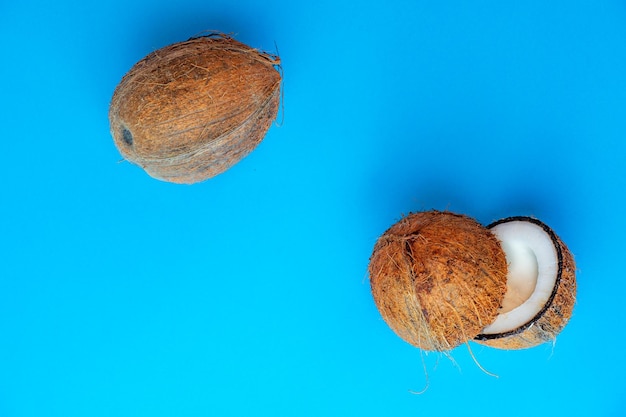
170, 25
399, 190
545, 201
423, 174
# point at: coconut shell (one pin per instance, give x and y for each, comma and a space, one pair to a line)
557, 311
437, 279
191, 110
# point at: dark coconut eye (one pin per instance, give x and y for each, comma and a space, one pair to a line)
127, 136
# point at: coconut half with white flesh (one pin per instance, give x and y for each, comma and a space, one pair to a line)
541, 285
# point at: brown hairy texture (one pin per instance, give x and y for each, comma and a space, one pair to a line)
552, 318
191, 110
438, 279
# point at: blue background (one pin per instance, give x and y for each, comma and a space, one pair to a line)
248, 295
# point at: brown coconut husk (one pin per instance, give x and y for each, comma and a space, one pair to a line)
552, 318
191, 110
438, 279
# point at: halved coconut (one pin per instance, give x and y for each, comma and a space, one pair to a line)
438, 279
541, 285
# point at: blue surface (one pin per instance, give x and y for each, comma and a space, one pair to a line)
247, 295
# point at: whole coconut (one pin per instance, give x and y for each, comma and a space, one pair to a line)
438, 278
191, 110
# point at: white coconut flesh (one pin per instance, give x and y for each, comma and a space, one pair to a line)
533, 269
